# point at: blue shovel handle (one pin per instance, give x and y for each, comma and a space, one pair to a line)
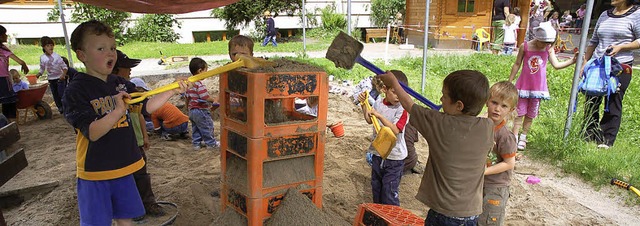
406, 88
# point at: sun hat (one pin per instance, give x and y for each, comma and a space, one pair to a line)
545, 32
140, 83
124, 61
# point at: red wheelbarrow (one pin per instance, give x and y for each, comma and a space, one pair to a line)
31, 101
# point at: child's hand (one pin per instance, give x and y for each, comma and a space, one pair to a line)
362, 97
121, 106
613, 50
387, 78
25, 69
575, 57
184, 85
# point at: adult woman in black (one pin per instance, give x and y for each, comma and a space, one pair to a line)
617, 29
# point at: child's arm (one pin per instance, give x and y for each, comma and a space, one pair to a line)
506, 164
17, 59
100, 127
143, 128
367, 114
386, 122
390, 81
516, 65
154, 103
553, 59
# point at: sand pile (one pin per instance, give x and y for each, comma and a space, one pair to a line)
297, 209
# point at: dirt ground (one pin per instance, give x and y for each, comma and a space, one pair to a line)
186, 177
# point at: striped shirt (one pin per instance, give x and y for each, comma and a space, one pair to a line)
197, 96
53, 64
616, 30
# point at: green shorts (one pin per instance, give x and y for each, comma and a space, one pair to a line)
494, 203
498, 34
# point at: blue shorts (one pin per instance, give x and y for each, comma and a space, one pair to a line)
101, 201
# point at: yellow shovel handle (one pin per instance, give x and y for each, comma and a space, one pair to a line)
137, 97
635, 190
374, 120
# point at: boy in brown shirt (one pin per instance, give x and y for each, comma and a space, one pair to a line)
500, 162
458, 146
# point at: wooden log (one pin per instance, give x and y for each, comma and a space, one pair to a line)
12, 166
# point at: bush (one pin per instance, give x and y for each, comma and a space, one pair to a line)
332, 20
154, 28
383, 10
84, 12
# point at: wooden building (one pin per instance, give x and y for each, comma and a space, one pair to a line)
452, 21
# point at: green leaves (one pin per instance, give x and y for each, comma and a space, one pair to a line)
154, 28
244, 12
83, 12
383, 10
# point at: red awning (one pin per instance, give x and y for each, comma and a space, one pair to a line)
156, 6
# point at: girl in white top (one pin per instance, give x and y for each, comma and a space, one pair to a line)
56, 70
510, 34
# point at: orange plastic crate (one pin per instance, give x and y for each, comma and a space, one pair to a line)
257, 210
262, 104
256, 167
379, 214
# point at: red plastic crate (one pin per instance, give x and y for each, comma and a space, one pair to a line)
244, 97
379, 214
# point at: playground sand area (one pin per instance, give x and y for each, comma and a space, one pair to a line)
188, 178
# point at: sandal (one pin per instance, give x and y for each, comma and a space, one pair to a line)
522, 144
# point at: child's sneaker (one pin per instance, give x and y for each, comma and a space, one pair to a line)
603, 146
522, 144
196, 147
166, 137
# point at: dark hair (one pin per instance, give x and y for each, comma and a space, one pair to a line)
93, 27
3, 30
66, 61
196, 64
241, 40
516, 11
470, 87
400, 76
45, 40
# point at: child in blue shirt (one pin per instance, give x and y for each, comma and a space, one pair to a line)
17, 83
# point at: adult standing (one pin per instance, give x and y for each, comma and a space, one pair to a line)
617, 29
500, 13
271, 30
537, 13
8, 97
580, 14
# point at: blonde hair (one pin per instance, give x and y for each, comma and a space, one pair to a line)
510, 19
14, 72
505, 91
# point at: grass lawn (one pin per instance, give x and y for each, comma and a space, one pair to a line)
545, 139
144, 50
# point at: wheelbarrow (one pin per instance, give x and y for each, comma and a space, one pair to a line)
31, 101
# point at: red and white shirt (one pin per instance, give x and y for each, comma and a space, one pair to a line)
197, 96
398, 116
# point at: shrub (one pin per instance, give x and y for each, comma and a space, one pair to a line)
383, 10
154, 28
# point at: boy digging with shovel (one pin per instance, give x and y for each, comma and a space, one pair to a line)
386, 173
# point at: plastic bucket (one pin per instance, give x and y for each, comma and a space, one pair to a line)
32, 79
337, 129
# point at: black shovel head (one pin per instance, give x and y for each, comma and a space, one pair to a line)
344, 50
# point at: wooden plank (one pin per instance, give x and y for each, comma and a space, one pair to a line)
2, 222
34, 189
12, 166
9, 134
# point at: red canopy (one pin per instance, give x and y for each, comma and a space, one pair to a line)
155, 6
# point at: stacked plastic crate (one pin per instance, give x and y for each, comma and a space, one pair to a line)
267, 146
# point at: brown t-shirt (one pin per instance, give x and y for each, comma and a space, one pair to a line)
505, 148
458, 148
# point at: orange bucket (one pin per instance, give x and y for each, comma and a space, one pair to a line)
337, 129
32, 79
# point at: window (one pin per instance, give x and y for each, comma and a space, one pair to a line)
466, 6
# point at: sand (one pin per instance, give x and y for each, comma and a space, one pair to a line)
187, 178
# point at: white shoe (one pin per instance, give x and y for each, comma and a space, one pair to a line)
603, 146
522, 144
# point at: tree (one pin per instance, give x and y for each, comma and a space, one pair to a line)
244, 12
84, 12
383, 10
154, 28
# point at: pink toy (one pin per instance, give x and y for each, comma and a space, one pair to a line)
533, 180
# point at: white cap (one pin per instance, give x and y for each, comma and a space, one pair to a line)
140, 83
545, 32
